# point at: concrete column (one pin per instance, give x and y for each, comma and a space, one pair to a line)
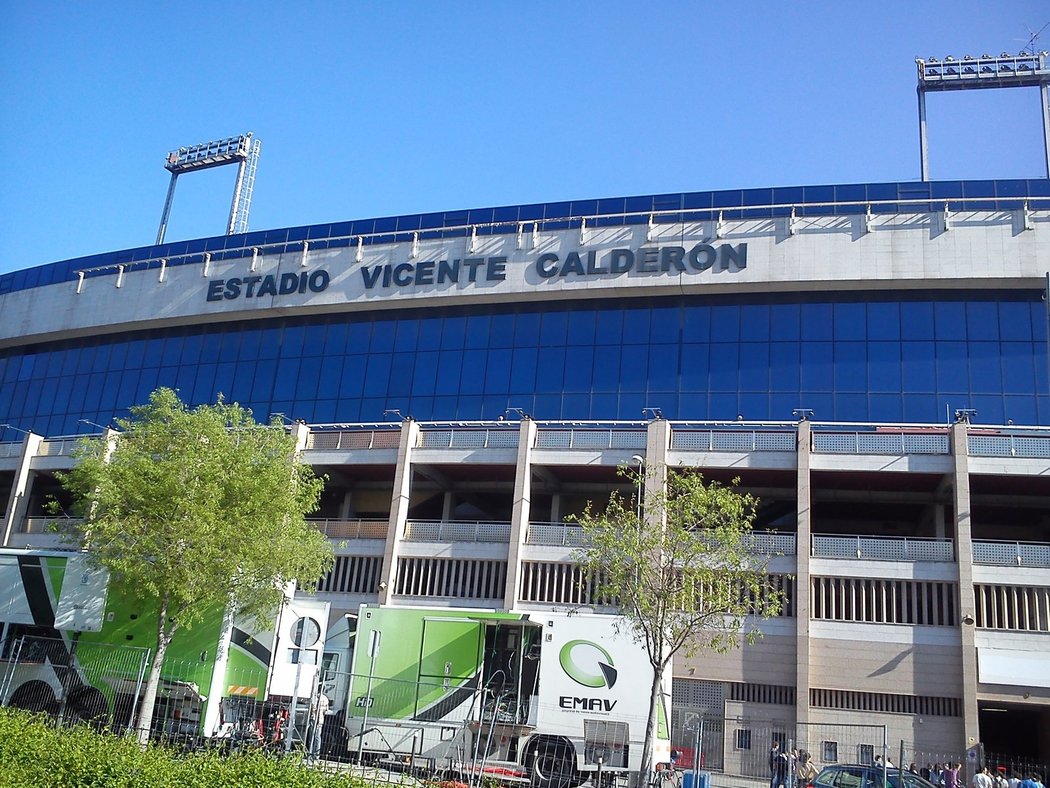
802, 583
346, 508
301, 433
519, 519
446, 505
938, 520
657, 446
18, 500
399, 504
964, 562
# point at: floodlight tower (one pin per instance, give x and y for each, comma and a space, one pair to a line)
242, 150
1024, 70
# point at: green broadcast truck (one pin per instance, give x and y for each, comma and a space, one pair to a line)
541, 695
72, 648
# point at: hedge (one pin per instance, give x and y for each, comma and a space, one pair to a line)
33, 753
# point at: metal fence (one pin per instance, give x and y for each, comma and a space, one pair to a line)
741, 746
72, 682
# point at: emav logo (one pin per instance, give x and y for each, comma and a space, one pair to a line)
588, 664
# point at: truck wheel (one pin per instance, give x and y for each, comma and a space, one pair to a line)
87, 704
555, 767
34, 695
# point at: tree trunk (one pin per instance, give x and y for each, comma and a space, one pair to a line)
645, 768
149, 695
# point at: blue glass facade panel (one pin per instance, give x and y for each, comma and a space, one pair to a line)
849, 357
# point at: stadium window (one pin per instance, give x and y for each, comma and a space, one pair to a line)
829, 751
743, 738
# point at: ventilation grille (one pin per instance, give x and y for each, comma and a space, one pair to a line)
558, 583
922, 705
457, 578
698, 694
1021, 608
353, 574
775, 694
883, 601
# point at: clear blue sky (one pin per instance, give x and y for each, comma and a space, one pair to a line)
373, 109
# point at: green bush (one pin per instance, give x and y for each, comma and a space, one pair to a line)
34, 753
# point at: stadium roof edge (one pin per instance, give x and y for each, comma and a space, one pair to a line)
999, 194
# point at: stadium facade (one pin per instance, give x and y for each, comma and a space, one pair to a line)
870, 360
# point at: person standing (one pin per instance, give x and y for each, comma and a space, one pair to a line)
780, 766
805, 772
774, 758
318, 709
983, 779
951, 775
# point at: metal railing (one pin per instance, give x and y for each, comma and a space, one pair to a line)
657, 219
57, 447
556, 534
590, 438
353, 439
456, 531
768, 543
880, 442
468, 438
733, 440
10, 449
46, 525
1009, 445
883, 548
1004, 553
570, 535
351, 529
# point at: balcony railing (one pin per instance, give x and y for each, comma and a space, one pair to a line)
590, 438
883, 548
468, 438
10, 449
58, 447
569, 535
764, 543
556, 535
891, 443
46, 525
733, 440
351, 529
1009, 445
354, 439
456, 531
999, 553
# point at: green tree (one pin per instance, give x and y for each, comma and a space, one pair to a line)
679, 566
197, 510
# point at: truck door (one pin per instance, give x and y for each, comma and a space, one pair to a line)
449, 665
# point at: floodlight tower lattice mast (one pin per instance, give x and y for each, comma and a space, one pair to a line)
1026, 69
242, 150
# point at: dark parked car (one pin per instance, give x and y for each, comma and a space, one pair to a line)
856, 776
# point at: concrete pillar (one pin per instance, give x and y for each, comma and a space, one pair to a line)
447, 500
802, 583
556, 508
399, 504
301, 433
18, 500
938, 521
519, 519
657, 445
964, 562
346, 508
